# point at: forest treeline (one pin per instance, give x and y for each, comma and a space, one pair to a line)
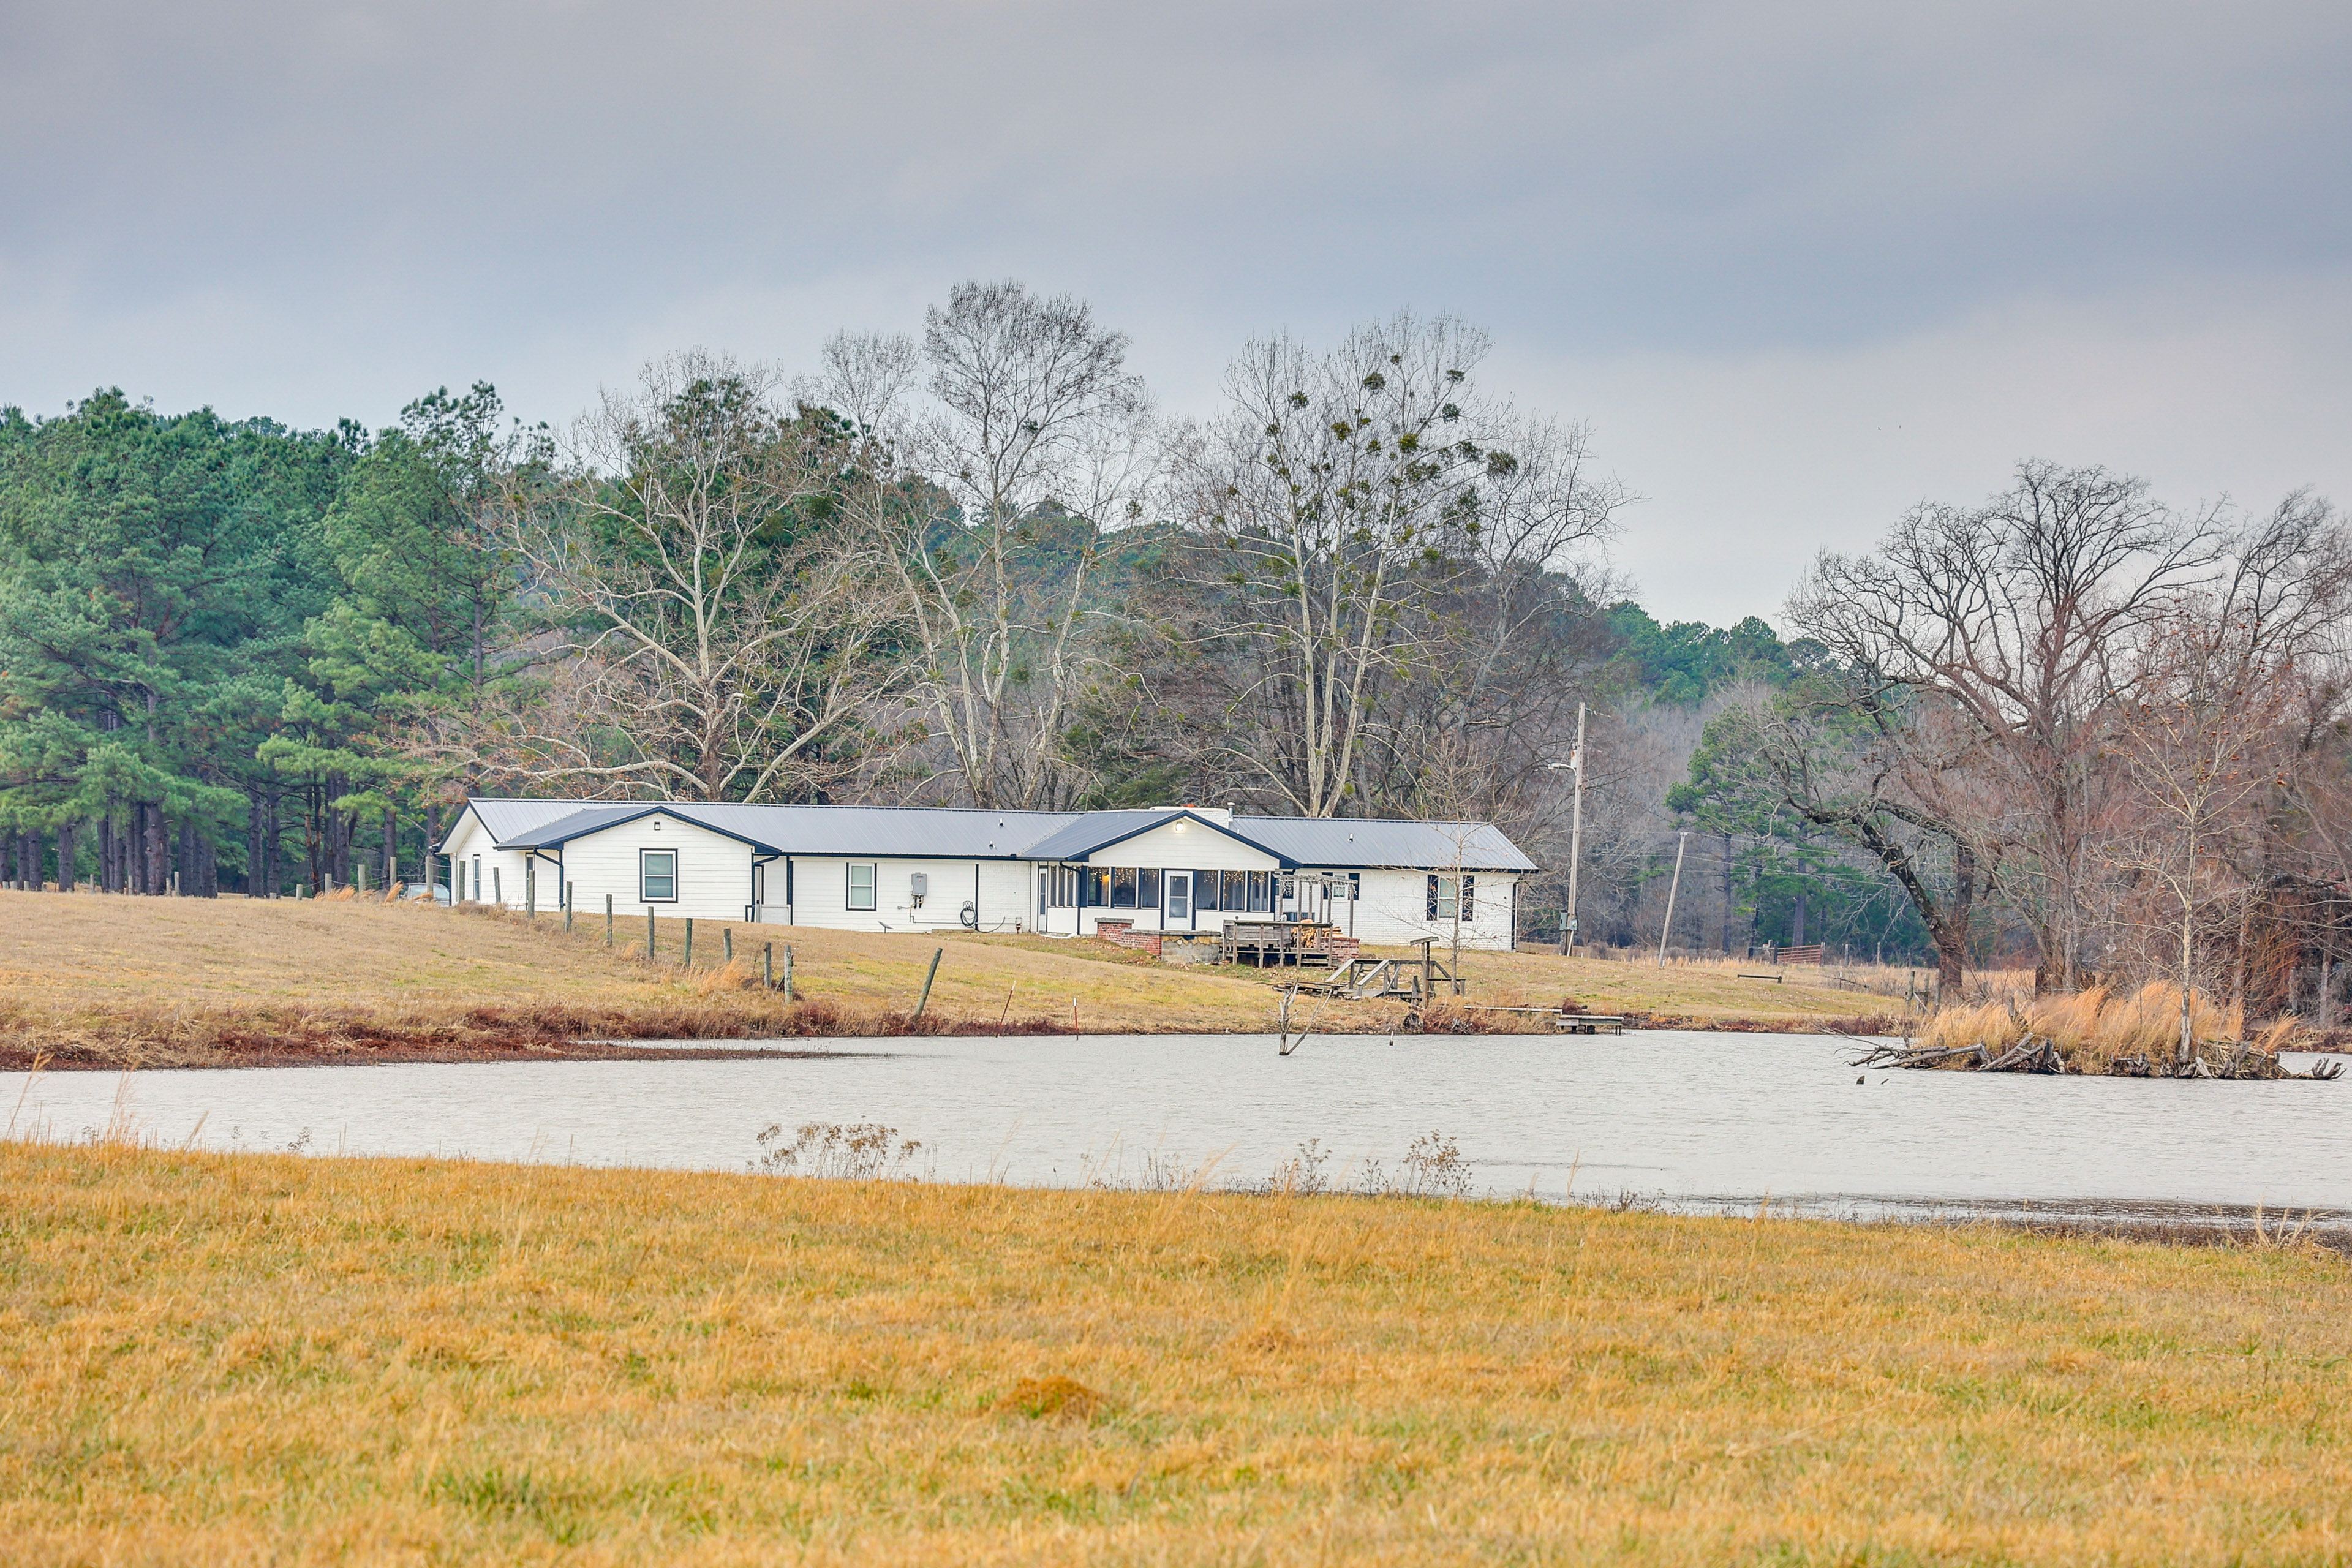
978, 565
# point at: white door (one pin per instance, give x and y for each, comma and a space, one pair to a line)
1179, 901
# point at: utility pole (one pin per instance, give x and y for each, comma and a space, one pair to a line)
1682, 842
1575, 763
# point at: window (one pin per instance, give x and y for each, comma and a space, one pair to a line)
1147, 889
658, 875
1236, 890
1122, 887
1258, 890
1044, 893
1094, 887
1204, 890
478, 878
862, 883
1443, 903
1469, 905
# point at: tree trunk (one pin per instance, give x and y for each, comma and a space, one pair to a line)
65, 856
1729, 899
2245, 935
147, 853
272, 846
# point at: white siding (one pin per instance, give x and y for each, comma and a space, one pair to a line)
1179, 846
1395, 909
501, 870
714, 871
1183, 845
1001, 889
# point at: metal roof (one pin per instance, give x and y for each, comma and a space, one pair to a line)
957, 833
1358, 842
596, 818
508, 819
1093, 830
913, 832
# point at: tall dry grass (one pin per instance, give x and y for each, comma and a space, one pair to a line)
2094, 1028
271, 1359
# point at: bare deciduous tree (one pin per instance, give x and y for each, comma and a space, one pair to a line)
2207, 738
705, 639
1034, 420
2016, 621
1366, 518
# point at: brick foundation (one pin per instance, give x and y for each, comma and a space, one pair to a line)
1122, 934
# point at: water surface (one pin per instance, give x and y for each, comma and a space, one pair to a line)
1696, 1120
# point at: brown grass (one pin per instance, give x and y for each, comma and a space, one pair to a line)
90, 980
2093, 1028
227, 1360
1676, 995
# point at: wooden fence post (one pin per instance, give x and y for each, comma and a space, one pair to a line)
727, 940
649, 935
925, 1000
768, 966
498, 888
567, 906
689, 942
608, 919
788, 971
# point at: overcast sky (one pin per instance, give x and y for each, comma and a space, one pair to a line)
1800, 265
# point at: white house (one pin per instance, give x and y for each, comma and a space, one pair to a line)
1176, 869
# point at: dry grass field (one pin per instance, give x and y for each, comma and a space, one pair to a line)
92, 980
272, 1359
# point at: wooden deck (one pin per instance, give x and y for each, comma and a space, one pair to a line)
1279, 945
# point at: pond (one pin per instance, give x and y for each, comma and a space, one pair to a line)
1687, 1121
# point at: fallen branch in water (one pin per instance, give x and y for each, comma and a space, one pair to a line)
2240, 1060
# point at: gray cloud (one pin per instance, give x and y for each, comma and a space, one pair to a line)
320, 209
